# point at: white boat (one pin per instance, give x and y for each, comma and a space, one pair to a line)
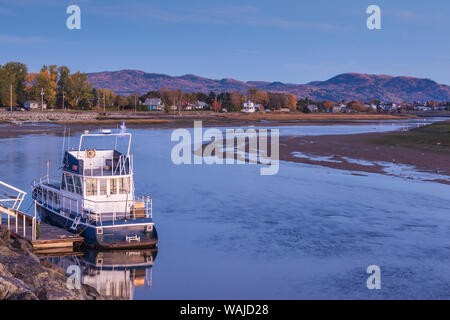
95, 195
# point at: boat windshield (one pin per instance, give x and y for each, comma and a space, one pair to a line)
120, 142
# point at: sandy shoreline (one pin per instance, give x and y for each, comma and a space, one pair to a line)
361, 152
13, 124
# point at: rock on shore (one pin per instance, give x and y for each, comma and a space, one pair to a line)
24, 277
47, 116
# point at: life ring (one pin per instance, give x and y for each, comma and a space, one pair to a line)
90, 153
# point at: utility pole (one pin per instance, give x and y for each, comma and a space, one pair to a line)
42, 99
10, 96
63, 101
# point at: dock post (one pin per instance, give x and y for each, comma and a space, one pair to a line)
33, 225
24, 227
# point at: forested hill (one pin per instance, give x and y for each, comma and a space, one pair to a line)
348, 86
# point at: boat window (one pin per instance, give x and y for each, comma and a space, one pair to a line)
69, 181
50, 197
91, 187
39, 193
63, 182
124, 185
44, 197
77, 181
113, 186
56, 200
103, 186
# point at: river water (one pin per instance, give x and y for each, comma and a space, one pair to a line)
226, 232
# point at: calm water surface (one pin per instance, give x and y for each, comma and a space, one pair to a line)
226, 232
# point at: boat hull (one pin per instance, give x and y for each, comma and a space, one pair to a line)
140, 233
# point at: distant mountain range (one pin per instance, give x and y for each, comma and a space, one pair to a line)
347, 86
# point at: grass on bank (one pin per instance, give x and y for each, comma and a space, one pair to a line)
434, 137
311, 116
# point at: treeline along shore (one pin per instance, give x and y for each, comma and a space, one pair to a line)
56, 87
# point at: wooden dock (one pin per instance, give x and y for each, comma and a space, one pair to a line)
21, 225
49, 237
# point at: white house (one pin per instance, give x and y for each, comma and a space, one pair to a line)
200, 105
339, 108
30, 105
312, 108
422, 108
248, 107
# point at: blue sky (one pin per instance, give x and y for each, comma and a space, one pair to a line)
289, 41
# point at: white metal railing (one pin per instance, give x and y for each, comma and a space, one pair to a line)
12, 211
90, 209
93, 209
47, 179
15, 199
123, 165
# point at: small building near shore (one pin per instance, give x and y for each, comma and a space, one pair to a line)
339, 108
34, 105
312, 108
200, 105
154, 104
248, 107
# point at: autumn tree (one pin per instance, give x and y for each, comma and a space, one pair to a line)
262, 97
216, 106
356, 106
106, 96
45, 81
80, 91
277, 100
236, 99
292, 102
328, 105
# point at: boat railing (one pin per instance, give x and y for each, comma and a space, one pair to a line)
47, 180
142, 208
109, 166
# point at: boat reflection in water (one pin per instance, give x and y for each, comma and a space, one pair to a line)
114, 274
